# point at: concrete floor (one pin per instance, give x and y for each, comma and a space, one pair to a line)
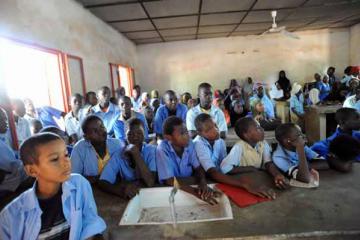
329, 212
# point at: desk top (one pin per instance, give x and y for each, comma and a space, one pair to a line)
232, 138
325, 108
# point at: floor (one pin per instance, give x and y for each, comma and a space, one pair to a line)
329, 212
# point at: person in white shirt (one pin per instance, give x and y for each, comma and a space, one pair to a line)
72, 123
21, 124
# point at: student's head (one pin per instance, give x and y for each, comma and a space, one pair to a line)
317, 77
205, 95
343, 150
4, 126
282, 74
35, 126
258, 107
191, 103
120, 92
286, 134
249, 130
57, 131
136, 91
104, 95
185, 98
154, 94
233, 83
148, 113
249, 80
237, 106
29, 106
353, 83
125, 105
235, 94
135, 133
175, 131
296, 89
347, 118
94, 129
330, 71
206, 127
347, 70
259, 89
18, 107
170, 100
91, 98
76, 101
325, 78
45, 158
145, 97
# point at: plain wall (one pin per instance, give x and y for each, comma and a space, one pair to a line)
355, 45
183, 65
66, 26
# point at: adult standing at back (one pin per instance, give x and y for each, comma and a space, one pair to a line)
284, 83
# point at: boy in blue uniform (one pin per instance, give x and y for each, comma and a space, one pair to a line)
176, 157
60, 204
91, 154
211, 150
136, 166
172, 107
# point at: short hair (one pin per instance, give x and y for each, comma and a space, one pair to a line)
200, 120
342, 115
52, 129
137, 86
242, 125
170, 124
103, 89
331, 68
345, 147
76, 95
282, 131
169, 92
87, 96
347, 70
87, 121
204, 85
29, 148
123, 98
134, 122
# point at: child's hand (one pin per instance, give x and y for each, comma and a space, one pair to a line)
281, 182
261, 191
207, 194
299, 142
131, 150
130, 190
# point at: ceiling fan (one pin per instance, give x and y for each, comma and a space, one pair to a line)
275, 29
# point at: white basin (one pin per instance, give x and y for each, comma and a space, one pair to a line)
151, 206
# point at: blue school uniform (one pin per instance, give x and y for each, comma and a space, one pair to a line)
84, 159
21, 219
210, 156
163, 112
268, 105
136, 103
109, 117
120, 126
324, 91
297, 103
288, 161
13, 166
119, 166
322, 147
169, 164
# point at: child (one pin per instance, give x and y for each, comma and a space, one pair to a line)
171, 108
211, 150
60, 204
258, 113
237, 111
185, 97
176, 157
219, 102
206, 106
292, 155
149, 116
72, 123
261, 95
348, 120
90, 101
35, 126
136, 166
91, 154
5, 135
297, 112
125, 114
354, 100
136, 98
105, 110
251, 152
21, 124
324, 88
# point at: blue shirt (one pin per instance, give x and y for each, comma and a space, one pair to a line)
163, 112
210, 156
46, 116
169, 164
120, 126
324, 91
297, 103
109, 117
136, 103
215, 112
84, 159
120, 166
268, 105
322, 147
287, 160
21, 219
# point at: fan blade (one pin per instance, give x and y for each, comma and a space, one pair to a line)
290, 34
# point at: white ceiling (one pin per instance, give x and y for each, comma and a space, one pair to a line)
151, 21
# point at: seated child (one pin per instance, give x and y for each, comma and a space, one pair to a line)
292, 156
348, 120
149, 116
60, 204
61, 133
259, 114
211, 150
176, 158
126, 113
297, 112
72, 119
91, 154
21, 124
237, 111
251, 152
35, 126
136, 166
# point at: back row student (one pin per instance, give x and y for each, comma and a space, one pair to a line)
59, 205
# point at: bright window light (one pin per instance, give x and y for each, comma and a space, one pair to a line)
125, 79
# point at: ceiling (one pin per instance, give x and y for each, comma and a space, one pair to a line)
152, 21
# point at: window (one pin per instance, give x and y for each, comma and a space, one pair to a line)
121, 76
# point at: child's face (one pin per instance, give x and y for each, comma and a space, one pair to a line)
255, 133
19, 109
210, 131
76, 103
259, 107
260, 92
125, 105
149, 114
93, 99
206, 96
191, 103
352, 123
180, 136
289, 142
135, 135
54, 165
171, 101
36, 127
104, 96
3, 121
238, 108
96, 132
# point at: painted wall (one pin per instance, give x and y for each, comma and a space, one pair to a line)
183, 65
65, 25
355, 45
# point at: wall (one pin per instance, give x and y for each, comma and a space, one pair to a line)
65, 25
183, 65
355, 45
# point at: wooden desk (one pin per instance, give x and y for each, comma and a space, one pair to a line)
315, 121
283, 111
232, 138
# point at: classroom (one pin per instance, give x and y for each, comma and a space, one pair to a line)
180, 119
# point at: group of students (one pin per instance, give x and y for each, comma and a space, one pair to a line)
113, 151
